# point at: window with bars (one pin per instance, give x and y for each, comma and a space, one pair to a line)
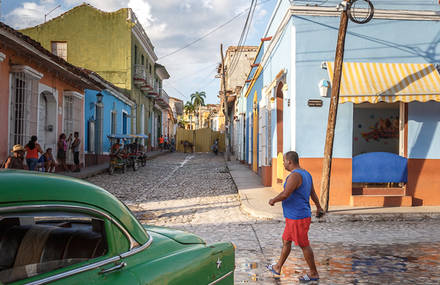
23, 116
72, 113
113, 122
59, 49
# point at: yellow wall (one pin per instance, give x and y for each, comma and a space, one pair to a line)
102, 42
96, 40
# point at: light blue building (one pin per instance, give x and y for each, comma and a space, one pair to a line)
389, 100
115, 113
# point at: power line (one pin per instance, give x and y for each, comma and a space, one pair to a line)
204, 36
235, 64
243, 31
209, 33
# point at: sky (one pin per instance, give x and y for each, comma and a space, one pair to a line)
170, 24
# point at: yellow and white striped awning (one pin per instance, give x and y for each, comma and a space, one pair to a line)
387, 82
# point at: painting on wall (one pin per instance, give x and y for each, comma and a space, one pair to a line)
387, 128
375, 129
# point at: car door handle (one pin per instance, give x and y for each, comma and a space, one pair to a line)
114, 268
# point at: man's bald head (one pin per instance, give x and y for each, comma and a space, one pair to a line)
293, 157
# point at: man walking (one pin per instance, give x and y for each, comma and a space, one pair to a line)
75, 149
298, 189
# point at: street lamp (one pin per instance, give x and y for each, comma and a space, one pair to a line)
98, 131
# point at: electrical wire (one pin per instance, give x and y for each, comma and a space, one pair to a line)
204, 36
243, 32
233, 67
209, 33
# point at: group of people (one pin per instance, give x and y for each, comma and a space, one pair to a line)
164, 143
44, 162
118, 150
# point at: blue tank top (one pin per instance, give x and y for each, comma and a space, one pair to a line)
297, 205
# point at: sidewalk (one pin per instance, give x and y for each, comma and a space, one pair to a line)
101, 168
255, 197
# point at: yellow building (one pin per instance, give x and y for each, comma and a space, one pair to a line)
189, 120
114, 45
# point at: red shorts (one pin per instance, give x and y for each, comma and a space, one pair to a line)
297, 231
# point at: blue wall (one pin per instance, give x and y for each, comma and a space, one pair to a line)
377, 41
109, 102
281, 58
424, 130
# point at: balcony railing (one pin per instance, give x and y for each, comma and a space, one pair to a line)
164, 96
140, 74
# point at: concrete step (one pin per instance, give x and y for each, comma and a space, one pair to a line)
380, 201
393, 191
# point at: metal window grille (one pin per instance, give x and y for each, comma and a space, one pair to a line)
24, 107
72, 114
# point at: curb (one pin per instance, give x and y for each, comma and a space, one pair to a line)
377, 217
86, 175
337, 216
245, 207
341, 218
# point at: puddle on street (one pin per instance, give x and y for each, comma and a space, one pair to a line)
337, 263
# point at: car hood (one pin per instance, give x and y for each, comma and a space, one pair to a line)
177, 235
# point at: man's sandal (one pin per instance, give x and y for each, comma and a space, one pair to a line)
270, 268
306, 279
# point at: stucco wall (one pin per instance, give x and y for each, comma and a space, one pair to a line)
424, 130
376, 41
4, 105
96, 40
53, 82
90, 114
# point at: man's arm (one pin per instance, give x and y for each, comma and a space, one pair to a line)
315, 199
292, 183
8, 162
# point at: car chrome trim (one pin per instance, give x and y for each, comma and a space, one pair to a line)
137, 249
133, 243
221, 278
75, 271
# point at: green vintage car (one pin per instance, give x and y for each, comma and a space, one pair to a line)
61, 230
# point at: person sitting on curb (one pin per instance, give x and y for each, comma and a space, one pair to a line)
16, 161
47, 161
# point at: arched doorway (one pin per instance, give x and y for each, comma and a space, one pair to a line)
280, 151
47, 119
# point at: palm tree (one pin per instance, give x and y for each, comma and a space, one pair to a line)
189, 109
198, 99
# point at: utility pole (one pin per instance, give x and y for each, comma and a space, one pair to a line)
333, 109
225, 104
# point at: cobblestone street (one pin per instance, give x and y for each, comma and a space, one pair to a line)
196, 193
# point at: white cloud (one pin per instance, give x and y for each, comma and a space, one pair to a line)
28, 14
143, 11
170, 24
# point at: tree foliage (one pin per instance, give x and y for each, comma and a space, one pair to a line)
198, 99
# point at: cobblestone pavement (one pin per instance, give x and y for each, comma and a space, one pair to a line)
195, 192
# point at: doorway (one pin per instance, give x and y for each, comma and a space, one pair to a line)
279, 98
47, 119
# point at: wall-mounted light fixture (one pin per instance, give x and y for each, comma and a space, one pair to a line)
324, 87
99, 97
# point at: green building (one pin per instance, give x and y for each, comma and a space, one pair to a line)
114, 45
